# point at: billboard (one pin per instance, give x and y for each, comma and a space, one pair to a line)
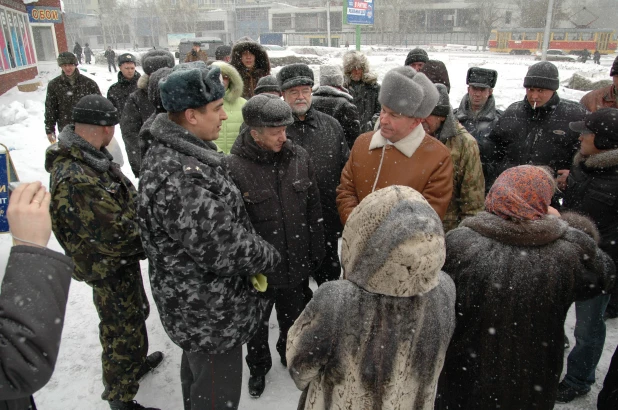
360, 12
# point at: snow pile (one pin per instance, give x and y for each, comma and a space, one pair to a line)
14, 113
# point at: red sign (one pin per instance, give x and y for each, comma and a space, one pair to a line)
360, 5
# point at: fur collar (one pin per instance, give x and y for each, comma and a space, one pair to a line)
142, 83
179, 139
328, 91
603, 160
517, 233
487, 113
99, 160
234, 90
407, 145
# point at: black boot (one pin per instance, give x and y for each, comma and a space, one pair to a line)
153, 360
256, 385
128, 405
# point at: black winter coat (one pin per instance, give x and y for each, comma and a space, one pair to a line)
608, 396
515, 282
283, 202
137, 110
480, 126
322, 137
339, 105
62, 97
119, 92
538, 137
365, 94
33, 301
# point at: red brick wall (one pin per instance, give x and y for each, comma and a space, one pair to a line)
10, 80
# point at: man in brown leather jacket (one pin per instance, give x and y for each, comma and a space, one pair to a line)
196, 54
603, 97
400, 152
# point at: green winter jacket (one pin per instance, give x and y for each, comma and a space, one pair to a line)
232, 104
468, 182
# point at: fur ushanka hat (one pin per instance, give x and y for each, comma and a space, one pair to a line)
191, 85
393, 243
155, 59
409, 93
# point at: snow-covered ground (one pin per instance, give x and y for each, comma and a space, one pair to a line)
76, 383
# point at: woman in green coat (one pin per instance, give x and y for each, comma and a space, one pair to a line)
232, 104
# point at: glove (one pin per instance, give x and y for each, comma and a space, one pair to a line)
259, 282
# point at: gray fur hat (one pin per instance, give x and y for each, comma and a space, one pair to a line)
443, 107
267, 110
331, 75
155, 59
408, 92
191, 85
267, 84
542, 75
294, 75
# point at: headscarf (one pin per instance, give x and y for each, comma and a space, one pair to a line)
521, 193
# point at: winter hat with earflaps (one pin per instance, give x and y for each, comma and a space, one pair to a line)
408, 93
542, 75
96, 110
191, 85
603, 124
126, 58
155, 59
481, 77
521, 193
293, 75
267, 84
443, 107
267, 110
393, 243
331, 75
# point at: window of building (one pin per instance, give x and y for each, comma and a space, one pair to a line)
210, 26
282, 22
507, 17
16, 48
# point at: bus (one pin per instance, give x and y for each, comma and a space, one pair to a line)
569, 40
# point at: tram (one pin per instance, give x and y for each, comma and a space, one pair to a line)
570, 40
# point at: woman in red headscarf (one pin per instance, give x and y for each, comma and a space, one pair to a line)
517, 268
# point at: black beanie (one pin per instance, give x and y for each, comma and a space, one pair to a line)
418, 55
542, 75
267, 110
155, 59
66, 57
267, 84
603, 124
96, 110
614, 70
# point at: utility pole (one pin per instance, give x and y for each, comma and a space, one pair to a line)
550, 9
328, 21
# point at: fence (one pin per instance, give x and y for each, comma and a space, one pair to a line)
386, 38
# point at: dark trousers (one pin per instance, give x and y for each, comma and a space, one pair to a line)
111, 64
289, 302
122, 306
211, 381
330, 269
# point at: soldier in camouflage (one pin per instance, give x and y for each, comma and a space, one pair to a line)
200, 243
94, 219
468, 182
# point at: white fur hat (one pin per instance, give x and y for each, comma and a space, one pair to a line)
331, 75
408, 92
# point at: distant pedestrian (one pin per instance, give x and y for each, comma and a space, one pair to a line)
110, 55
362, 84
88, 53
127, 82
251, 61
196, 53
597, 57
77, 50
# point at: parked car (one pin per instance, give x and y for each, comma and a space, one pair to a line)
273, 47
556, 55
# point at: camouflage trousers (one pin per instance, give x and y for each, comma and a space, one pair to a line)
122, 306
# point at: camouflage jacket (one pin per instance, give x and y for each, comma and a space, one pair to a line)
468, 182
92, 207
200, 243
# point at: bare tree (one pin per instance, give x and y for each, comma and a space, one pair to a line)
533, 12
490, 14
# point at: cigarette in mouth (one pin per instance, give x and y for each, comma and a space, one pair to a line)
534, 107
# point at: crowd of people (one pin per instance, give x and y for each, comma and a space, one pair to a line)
466, 234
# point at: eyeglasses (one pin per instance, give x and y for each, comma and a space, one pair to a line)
295, 93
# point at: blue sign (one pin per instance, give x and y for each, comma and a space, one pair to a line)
37, 14
360, 12
7, 174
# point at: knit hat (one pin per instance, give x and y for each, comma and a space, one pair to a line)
331, 75
96, 110
603, 124
293, 75
437, 73
614, 70
66, 57
521, 193
542, 75
418, 55
154, 93
481, 77
155, 59
267, 110
191, 85
409, 93
222, 52
443, 107
393, 243
267, 84
126, 58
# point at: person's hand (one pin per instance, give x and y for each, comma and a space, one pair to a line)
563, 174
552, 211
28, 215
51, 137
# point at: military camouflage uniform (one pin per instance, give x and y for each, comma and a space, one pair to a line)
468, 182
94, 219
200, 243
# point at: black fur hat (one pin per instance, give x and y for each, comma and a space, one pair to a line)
155, 59
294, 75
481, 77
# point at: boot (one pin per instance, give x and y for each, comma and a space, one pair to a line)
152, 361
128, 405
256, 385
567, 394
